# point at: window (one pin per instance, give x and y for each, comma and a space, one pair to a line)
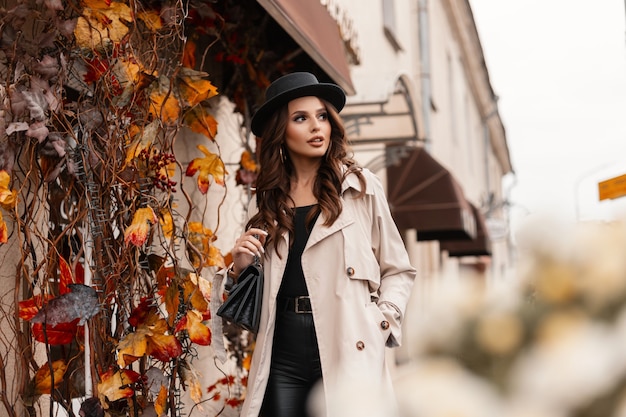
389, 23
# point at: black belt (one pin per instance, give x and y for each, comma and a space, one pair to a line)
299, 305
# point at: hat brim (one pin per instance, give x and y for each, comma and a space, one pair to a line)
329, 92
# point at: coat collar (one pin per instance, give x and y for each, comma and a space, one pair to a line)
352, 181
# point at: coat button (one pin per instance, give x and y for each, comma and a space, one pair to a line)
350, 271
384, 324
360, 345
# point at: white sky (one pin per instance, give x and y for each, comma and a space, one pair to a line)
559, 68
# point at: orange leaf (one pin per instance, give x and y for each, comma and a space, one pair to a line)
189, 54
247, 361
215, 257
165, 275
160, 403
172, 302
198, 332
210, 165
8, 197
4, 233
163, 104
116, 385
137, 232
133, 346
43, 378
164, 347
201, 122
248, 162
193, 90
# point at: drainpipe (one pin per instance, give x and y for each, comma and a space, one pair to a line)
424, 44
486, 148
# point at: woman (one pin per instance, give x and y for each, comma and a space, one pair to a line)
337, 275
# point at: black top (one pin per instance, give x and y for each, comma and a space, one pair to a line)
293, 284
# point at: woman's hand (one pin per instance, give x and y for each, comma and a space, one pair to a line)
249, 245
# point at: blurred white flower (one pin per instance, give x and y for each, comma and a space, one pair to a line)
442, 388
574, 364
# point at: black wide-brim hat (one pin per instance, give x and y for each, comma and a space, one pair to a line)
292, 86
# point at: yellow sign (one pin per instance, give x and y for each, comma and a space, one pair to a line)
612, 188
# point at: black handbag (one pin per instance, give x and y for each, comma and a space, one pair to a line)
243, 304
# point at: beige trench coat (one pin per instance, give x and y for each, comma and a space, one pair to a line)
359, 279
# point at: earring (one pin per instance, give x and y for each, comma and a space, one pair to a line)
282, 155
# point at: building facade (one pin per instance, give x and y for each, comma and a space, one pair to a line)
421, 114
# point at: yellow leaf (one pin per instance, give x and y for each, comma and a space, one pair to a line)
203, 284
43, 379
201, 122
8, 197
167, 223
163, 103
192, 380
133, 346
194, 296
102, 24
151, 18
115, 386
137, 232
160, 404
193, 90
210, 165
142, 140
201, 237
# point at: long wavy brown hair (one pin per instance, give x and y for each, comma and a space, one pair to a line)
275, 213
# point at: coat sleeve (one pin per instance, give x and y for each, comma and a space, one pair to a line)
396, 272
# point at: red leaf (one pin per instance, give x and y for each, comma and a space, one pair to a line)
66, 276
61, 334
29, 308
145, 313
164, 347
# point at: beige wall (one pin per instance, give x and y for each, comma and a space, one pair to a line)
461, 98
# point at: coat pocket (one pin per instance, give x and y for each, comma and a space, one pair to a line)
360, 262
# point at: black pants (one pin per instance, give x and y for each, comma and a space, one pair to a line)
295, 367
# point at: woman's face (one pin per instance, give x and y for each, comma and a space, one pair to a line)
308, 128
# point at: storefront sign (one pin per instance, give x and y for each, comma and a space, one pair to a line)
612, 188
347, 29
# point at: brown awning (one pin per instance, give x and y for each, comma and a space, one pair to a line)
423, 195
313, 28
479, 246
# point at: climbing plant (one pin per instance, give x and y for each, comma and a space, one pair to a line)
112, 269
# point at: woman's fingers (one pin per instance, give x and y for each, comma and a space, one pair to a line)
249, 245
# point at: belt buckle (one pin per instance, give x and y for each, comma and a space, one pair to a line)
297, 306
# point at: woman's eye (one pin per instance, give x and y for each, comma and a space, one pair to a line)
323, 116
298, 118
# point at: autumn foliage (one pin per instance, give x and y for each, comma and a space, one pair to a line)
96, 100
